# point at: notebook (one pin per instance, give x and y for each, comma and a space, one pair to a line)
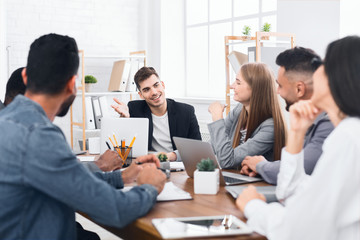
192, 151
169, 193
126, 128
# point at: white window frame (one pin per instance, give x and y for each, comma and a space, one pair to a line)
232, 20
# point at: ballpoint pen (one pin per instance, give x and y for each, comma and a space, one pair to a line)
108, 145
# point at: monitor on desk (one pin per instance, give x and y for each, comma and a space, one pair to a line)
125, 128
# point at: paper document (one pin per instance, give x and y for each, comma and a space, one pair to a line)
172, 192
177, 166
169, 193
86, 158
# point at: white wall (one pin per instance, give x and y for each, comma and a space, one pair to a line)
153, 30
3, 62
349, 17
109, 27
173, 47
315, 23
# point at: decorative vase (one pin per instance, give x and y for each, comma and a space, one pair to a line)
87, 87
165, 166
206, 182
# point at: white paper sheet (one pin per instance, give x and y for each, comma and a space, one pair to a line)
86, 158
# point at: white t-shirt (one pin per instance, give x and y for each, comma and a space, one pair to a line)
161, 141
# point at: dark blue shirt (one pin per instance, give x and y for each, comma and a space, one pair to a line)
42, 184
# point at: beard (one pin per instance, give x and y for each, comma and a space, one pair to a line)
66, 105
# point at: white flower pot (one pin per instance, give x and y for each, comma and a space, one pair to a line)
206, 182
87, 87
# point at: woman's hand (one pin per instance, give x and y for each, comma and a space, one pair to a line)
216, 110
247, 195
302, 115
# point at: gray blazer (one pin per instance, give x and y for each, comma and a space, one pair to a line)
222, 135
314, 139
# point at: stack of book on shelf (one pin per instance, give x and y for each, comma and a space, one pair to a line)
122, 75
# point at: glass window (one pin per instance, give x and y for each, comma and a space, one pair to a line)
197, 61
196, 11
220, 9
205, 52
246, 7
268, 5
217, 57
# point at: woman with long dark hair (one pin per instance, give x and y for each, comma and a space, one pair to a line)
325, 205
255, 126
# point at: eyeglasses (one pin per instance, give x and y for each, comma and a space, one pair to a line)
315, 63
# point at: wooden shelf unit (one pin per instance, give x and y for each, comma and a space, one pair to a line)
259, 39
81, 88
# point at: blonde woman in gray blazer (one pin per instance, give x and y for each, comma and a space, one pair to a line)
255, 126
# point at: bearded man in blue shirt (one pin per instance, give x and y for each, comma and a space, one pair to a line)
41, 182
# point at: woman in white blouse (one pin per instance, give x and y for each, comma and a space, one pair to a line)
325, 205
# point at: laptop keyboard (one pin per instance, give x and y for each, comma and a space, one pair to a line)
233, 180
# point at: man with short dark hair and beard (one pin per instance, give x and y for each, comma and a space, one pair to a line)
42, 183
295, 82
167, 118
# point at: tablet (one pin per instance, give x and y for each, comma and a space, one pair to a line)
205, 226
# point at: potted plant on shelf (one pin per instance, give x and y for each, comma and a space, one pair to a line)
266, 28
164, 163
89, 79
246, 32
206, 177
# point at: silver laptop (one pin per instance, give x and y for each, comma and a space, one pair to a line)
192, 151
126, 128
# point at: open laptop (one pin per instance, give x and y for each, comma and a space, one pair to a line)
192, 151
125, 128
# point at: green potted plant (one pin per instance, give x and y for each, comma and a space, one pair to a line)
266, 27
164, 163
206, 177
247, 32
89, 79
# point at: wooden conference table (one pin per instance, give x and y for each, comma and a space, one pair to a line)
200, 205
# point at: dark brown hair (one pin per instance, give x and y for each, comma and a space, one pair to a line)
342, 67
143, 74
264, 104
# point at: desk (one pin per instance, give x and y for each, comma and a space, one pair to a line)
201, 205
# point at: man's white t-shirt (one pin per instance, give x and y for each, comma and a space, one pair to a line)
161, 141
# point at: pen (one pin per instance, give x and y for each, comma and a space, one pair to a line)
108, 145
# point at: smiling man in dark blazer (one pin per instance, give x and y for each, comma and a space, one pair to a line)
167, 118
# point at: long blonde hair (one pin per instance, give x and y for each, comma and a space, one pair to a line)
264, 104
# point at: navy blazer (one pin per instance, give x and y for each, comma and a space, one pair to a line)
182, 119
